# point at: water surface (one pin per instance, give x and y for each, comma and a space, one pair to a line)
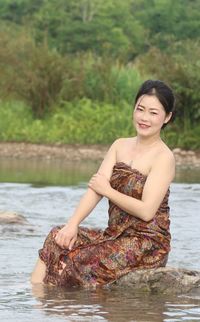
46, 194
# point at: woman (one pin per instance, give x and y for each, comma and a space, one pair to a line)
135, 176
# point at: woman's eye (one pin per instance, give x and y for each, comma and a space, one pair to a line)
139, 109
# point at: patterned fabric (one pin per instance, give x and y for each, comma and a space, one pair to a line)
100, 257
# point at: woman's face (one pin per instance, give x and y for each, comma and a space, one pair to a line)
149, 115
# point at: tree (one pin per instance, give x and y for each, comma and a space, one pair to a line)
179, 67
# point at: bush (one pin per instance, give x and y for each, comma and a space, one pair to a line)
31, 73
84, 122
179, 67
42, 77
89, 122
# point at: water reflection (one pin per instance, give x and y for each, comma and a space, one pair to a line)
46, 172
114, 305
59, 172
187, 175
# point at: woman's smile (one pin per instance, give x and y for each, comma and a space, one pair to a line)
149, 115
143, 125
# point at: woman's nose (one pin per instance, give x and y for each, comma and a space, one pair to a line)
144, 116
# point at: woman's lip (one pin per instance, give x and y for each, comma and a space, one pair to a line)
145, 126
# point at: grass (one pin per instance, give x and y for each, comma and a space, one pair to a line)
83, 121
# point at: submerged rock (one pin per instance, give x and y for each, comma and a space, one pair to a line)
13, 224
166, 280
8, 217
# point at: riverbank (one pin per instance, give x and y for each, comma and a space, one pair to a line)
77, 152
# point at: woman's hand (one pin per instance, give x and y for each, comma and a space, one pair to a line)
67, 236
100, 184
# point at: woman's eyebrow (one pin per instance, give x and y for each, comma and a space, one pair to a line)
151, 108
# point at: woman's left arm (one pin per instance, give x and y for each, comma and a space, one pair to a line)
155, 188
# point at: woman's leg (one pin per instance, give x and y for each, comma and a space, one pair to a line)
39, 272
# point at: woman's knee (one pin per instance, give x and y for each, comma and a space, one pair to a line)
38, 273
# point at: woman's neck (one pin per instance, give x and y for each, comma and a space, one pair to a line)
149, 142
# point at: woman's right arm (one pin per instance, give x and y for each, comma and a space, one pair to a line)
67, 236
87, 203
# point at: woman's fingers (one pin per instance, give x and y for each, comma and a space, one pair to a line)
65, 240
71, 244
92, 179
62, 240
66, 243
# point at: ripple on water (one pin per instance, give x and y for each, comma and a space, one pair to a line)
47, 206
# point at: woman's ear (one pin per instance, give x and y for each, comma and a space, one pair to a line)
168, 117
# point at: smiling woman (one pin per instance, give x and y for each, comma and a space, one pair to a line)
135, 176
149, 114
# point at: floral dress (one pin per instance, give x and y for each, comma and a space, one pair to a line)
128, 243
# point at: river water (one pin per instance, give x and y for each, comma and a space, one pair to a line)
46, 193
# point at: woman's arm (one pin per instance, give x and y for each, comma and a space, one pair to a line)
91, 198
66, 237
155, 188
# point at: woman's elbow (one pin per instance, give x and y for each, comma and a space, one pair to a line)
145, 212
148, 215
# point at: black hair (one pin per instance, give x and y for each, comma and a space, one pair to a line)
163, 93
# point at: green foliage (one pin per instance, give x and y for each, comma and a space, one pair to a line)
179, 67
46, 77
83, 122
90, 122
168, 20
30, 72
186, 139
105, 27
108, 80
89, 56
14, 118
80, 122
19, 10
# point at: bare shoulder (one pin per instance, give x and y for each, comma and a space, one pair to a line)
167, 154
111, 156
165, 160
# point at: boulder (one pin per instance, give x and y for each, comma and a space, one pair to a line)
165, 280
9, 217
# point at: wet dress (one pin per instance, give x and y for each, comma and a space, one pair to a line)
128, 243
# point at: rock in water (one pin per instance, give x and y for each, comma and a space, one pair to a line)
166, 280
8, 217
